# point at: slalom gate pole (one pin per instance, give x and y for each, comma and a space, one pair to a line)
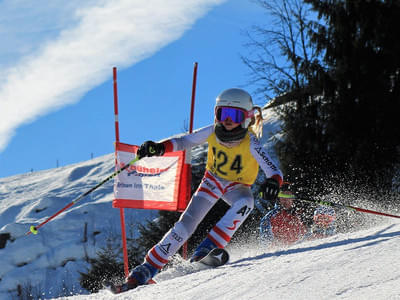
121, 209
194, 82
349, 207
34, 229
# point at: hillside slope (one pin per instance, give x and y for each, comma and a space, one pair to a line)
358, 265
50, 260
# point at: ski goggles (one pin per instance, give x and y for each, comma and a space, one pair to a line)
237, 115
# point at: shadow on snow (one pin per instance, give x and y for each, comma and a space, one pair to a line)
378, 237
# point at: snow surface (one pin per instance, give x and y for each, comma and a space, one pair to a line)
358, 265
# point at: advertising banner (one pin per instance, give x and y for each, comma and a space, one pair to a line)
159, 182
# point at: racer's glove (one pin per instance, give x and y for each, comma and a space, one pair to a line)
270, 189
149, 148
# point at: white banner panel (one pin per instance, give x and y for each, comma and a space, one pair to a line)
151, 178
159, 182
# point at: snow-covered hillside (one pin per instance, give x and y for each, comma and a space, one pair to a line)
49, 261
360, 265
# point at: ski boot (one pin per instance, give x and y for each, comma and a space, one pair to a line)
202, 250
140, 275
129, 284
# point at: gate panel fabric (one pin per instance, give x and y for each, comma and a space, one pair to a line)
159, 182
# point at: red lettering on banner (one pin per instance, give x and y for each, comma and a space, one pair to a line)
141, 169
175, 173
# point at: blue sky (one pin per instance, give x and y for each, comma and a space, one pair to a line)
56, 96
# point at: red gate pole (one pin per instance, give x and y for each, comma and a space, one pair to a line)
121, 210
116, 104
185, 245
124, 246
193, 97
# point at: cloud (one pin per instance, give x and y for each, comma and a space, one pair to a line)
84, 41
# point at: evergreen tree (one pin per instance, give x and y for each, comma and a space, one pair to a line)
361, 88
340, 130
106, 267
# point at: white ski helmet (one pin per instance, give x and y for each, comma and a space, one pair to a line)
239, 98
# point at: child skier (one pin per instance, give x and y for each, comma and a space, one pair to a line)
234, 156
288, 223
283, 225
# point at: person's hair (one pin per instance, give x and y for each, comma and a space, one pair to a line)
256, 122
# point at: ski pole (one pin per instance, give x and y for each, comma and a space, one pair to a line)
349, 207
34, 229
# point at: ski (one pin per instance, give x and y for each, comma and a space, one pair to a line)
112, 288
215, 258
118, 289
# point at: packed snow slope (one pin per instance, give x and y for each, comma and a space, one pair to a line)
358, 265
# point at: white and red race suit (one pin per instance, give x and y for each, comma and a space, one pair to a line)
230, 171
